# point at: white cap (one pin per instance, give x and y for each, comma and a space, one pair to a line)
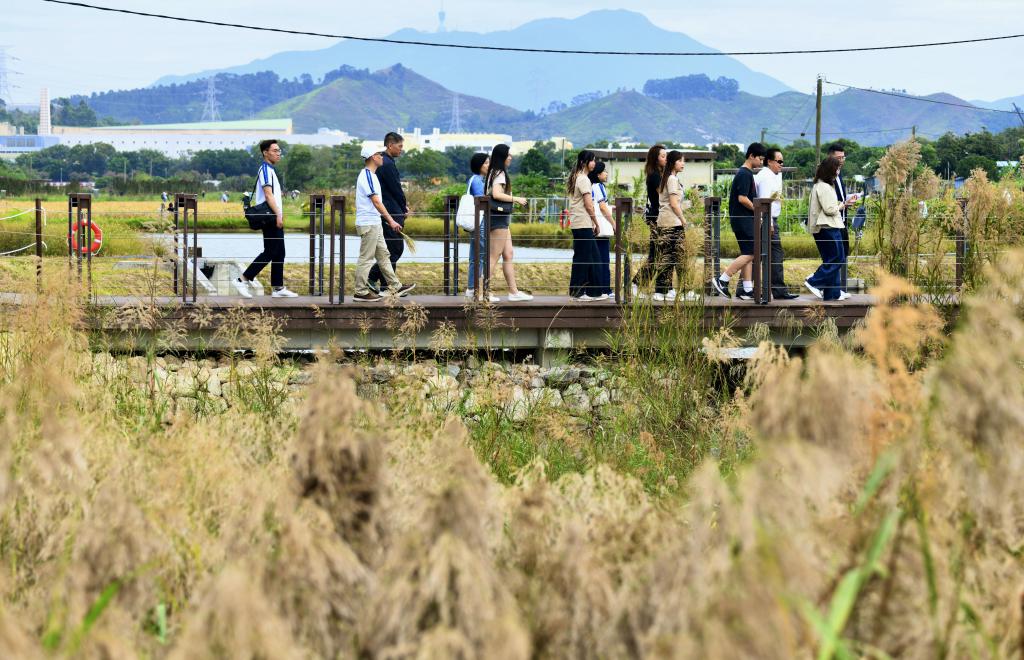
367, 152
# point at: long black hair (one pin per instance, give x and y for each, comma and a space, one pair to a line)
498, 157
670, 167
651, 166
582, 160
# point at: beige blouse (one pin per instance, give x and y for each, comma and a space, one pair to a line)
666, 216
824, 209
578, 216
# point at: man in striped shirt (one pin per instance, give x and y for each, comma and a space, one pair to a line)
372, 247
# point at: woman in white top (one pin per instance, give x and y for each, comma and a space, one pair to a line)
499, 187
825, 222
671, 237
605, 227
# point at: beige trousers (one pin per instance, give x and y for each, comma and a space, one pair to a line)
373, 249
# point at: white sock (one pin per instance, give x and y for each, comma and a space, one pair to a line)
748, 285
724, 277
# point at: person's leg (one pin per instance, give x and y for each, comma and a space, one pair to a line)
508, 267
498, 239
778, 273
845, 240
826, 278
396, 246
382, 255
604, 265
647, 269
663, 262
263, 258
367, 253
277, 258
577, 275
679, 259
592, 258
474, 265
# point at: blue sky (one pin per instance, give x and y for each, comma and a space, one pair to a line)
72, 50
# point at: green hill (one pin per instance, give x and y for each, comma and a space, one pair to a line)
388, 99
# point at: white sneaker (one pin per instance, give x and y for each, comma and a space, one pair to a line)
283, 292
814, 290
844, 295
603, 296
582, 298
671, 296
518, 296
242, 287
659, 297
470, 293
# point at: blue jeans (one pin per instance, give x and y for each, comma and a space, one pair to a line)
604, 266
583, 278
477, 255
828, 277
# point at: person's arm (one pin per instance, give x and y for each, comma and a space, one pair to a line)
391, 184
607, 212
379, 205
829, 201
588, 204
268, 193
498, 193
673, 201
745, 199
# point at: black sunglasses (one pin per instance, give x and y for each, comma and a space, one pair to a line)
777, 161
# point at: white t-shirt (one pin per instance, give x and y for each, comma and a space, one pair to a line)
367, 187
267, 176
604, 228
767, 183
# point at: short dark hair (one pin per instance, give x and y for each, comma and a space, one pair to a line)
770, 154
266, 144
827, 170
476, 162
756, 149
836, 146
596, 172
392, 138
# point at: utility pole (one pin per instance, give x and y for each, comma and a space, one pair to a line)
913, 132
817, 124
763, 131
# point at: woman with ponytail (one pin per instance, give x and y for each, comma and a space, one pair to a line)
584, 282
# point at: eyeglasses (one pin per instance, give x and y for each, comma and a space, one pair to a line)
778, 161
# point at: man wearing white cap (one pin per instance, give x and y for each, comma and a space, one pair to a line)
372, 247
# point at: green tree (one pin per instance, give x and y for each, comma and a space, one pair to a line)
458, 162
298, 167
425, 164
727, 155
535, 162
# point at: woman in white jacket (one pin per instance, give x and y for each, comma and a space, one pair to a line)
825, 221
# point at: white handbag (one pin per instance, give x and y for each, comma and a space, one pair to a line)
465, 214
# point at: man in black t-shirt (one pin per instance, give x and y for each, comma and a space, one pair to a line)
742, 194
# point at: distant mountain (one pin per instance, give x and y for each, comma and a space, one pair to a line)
1002, 104
525, 81
372, 104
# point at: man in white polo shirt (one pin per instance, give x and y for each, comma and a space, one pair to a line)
372, 247
769, 184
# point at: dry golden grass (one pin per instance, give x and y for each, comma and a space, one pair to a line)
880, 516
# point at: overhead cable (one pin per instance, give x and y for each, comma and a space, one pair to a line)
408, 42
920, 98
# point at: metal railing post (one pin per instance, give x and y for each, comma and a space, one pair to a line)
762, 265
712, 242
961, 246
39, 244
187, 205
450, 204
623, 212
316, 213
338, 207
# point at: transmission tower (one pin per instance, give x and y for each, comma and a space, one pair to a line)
455, 125
211, 110
5, 76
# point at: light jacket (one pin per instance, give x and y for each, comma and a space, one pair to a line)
824, 209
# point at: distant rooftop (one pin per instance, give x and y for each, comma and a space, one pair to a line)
255, 125
641, 154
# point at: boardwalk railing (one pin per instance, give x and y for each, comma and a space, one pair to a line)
323, 260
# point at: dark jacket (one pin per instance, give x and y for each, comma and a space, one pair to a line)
840, 194
391, 192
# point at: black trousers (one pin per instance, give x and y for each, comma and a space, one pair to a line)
396, 246
845, 233
778, 272
648, 270
273, 254
584, 278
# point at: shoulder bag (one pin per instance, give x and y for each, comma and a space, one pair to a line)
465, 214
260, 215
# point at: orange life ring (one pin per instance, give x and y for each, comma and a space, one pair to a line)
97, 237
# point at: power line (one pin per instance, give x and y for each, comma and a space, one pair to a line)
880, 130
405, 42
919, 98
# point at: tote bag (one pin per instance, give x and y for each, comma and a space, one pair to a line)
465, 214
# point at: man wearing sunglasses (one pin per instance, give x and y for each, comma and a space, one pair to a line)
769, 184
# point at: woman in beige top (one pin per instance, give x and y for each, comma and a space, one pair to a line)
584, 279
499, 187
671, 237
825, 220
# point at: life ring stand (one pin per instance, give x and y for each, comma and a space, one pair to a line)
97, 237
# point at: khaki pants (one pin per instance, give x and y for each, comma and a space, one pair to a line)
373, 249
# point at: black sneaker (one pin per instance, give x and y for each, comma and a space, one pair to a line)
721, 286
367, 297
743, 294
403, 290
